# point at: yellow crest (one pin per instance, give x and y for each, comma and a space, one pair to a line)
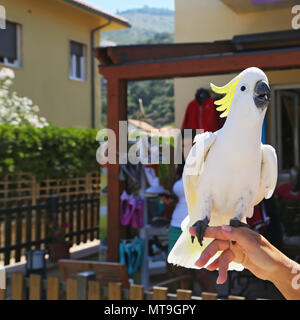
225, 103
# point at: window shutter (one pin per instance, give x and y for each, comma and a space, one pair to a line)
8, 41
77, 49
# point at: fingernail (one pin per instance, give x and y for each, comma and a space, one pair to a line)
199, 263
226, 228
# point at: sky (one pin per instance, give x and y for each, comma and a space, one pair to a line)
113, 5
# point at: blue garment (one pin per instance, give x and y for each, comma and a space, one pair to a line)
131, 254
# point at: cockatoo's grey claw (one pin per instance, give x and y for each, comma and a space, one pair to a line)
192, 238
235, 223
201, 226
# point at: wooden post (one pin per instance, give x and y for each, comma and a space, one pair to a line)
94, 290
71, 293
160, 293
209, 296
53, 289
114, 291
2, 294
17, 290
116, 111
136, 292
236, 298
35, 287
82, 284
7, 237
183, 294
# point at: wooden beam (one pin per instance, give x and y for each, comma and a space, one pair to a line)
102, 56
203, 66
259, 41
126, 54
116, 111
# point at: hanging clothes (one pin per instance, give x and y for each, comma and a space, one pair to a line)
201, 116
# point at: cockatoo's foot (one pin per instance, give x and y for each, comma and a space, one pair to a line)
236, 223
201, 226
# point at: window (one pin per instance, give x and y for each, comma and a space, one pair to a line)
288, 128
77, 61
10, 45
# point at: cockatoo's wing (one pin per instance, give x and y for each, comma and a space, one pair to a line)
185, 252
268, 173
193, 167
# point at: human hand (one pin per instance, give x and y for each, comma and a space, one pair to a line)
251, 250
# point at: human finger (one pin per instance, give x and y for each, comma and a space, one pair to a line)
215, 232
241, 235
211, 250
214, 265
225, 258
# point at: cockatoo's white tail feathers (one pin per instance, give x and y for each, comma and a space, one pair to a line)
185, 253
184, 223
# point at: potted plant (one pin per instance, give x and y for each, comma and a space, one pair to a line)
58, 246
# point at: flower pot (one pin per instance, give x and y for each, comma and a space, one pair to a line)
59, 251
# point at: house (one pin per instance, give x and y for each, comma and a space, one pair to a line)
245, 21
49, 45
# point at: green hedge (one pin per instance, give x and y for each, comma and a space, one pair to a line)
49, 152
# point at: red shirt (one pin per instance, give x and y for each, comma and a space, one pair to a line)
201, 117
284, 191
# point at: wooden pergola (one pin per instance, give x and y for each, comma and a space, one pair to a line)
268, 51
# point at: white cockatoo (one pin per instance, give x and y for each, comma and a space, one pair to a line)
229, 171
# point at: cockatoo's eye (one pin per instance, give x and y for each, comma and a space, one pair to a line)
243, 88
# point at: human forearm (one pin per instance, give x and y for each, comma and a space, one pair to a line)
287, 278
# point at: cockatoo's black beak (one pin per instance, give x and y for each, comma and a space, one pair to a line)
262, 94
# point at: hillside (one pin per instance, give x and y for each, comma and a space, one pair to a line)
145, 23
149, 26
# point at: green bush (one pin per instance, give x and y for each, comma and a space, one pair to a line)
48, 152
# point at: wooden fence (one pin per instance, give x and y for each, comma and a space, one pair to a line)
35, 288
24, 228
25, 204
15, 188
